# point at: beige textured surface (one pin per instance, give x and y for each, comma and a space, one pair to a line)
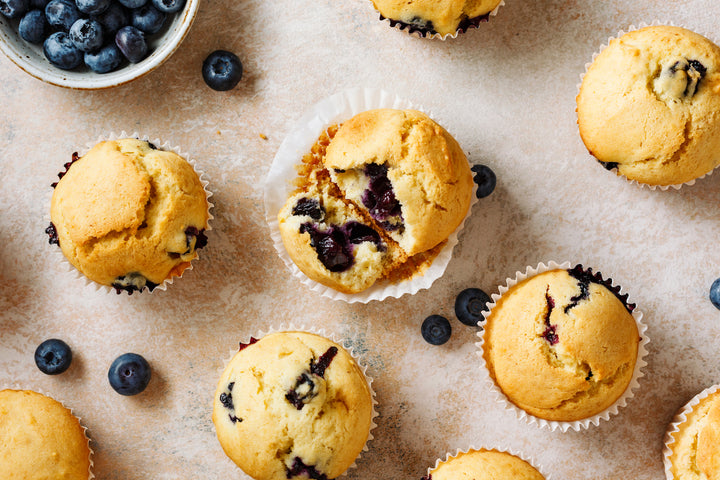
644, 105
485, 465
507, 93
40, 439
270, 434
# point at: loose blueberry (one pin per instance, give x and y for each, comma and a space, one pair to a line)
14, 8
133, 3
169, 6
53, 356
715, 293
32, 27
113, 19
62, 14
222, 70
147, 19
92, 7
61, 51
86, 34
469, 305
436, 330
104, 60
131, 43
129, 374
485, 179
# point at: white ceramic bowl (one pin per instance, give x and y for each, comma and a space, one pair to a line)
31, 59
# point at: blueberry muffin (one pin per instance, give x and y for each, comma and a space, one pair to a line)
398, 177
696, 443
429, 17
484, 465
40, 439
562, 345
648, 106
129, 215
293, 405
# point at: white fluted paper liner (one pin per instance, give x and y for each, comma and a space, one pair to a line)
521, 414
278, 187
413, 31
161, 146
502, 449
681, 417
16, 386
330, 336
620, 33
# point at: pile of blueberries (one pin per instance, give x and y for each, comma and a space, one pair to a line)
99, 33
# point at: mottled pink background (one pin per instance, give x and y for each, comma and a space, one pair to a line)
506, 91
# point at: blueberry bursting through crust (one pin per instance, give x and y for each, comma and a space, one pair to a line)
426, 28
305, 388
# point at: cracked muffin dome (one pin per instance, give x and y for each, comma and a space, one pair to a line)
436, 16
406, 171
562, 345
292, 405
648, 106
696, 448
129, 215
40, 439
484, 465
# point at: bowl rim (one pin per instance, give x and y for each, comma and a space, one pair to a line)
95, 81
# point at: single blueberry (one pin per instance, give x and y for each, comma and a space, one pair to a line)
62, 14
129, 374
113, 19
32, 27
61, 51
53, 356
133, 3
436, 330
104, 60
147, 19
169, 6
92, 7
86, 34
469, 305
14, 8
715, 293
222, 70
131, 43
485, 179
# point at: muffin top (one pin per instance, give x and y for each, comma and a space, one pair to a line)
435, 16
648, 105
561, 345
410, 175
292, 405
484, 465
130, 215
40, 439
696, 451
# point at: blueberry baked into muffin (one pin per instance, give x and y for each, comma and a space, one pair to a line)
430, 17
292, 405
648, 106
129, 215
695, 446
376, 199
40, 439
484, 464
562, 345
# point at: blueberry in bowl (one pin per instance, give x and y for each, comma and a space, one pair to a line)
163, 29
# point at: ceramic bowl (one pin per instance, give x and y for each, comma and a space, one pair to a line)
31, 59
